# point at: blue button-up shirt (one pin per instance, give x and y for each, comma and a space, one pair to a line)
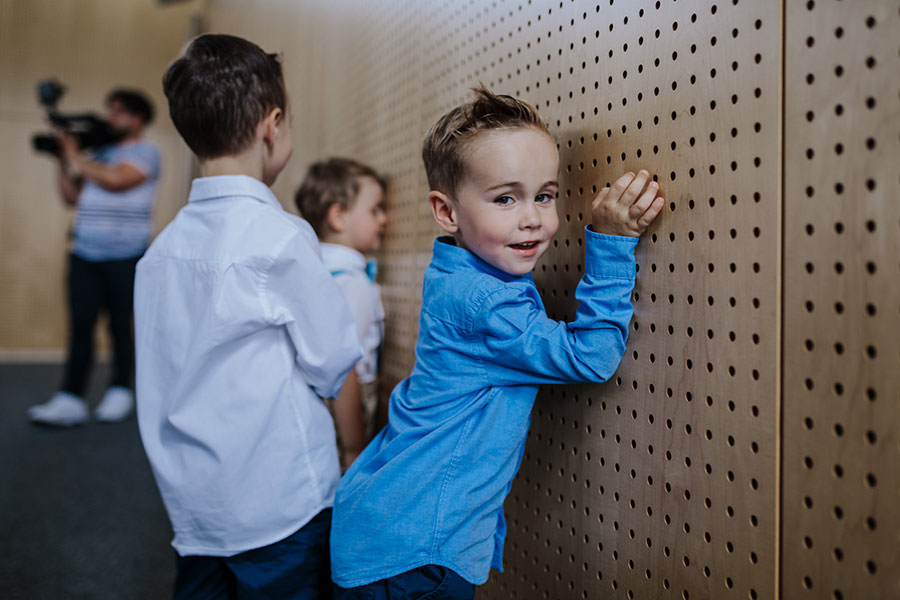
429, 489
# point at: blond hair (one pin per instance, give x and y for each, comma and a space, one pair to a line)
445, 143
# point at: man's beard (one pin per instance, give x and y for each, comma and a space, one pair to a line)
121, 132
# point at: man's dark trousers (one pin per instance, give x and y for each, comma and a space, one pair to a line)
94, 286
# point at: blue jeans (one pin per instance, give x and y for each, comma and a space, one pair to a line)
430, 582
296, 568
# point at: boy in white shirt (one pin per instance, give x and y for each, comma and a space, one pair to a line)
344, 202
240, 330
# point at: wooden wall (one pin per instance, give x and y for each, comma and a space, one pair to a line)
91, 46
747, 446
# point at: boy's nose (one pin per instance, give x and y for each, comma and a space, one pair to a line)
530, 218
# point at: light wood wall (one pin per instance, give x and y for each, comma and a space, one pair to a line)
310, 36
841, 440
747, 446
91, 46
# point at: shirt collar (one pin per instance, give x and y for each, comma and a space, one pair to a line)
222, 186
449, 257
337, 256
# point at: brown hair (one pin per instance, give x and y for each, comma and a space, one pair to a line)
134, 101
445, 143
218, 92
328, 182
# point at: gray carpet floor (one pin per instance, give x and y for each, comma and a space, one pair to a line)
80, 514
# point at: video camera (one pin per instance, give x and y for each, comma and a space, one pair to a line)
90, 130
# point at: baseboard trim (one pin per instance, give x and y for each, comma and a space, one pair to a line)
40, 356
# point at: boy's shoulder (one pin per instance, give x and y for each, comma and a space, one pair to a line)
460, 296
228, 229
302, 227
345, 262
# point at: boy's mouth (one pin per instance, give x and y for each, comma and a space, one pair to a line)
525, 249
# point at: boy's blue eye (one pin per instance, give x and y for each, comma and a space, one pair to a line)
545, 197
504, 200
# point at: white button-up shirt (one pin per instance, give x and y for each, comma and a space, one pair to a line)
348, 266
239, 330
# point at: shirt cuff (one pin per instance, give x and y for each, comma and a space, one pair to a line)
609, 256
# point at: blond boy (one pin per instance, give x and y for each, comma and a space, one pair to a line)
421, 511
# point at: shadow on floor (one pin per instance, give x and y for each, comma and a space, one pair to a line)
80, 514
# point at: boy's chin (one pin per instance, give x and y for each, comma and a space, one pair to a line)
526, 266
519, 271
508, 264
517, 268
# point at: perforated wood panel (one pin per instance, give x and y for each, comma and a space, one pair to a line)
686, 476
664, 480
842, 301
661, 483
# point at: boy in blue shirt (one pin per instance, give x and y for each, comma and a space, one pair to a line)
420, 513
240, 331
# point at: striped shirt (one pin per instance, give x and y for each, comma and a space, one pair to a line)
117, 225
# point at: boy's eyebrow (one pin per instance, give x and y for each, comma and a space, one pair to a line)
552, 182
503, 185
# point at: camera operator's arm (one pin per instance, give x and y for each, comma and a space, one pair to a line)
115, 178
69, 185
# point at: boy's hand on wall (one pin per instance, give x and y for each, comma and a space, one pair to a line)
628, 207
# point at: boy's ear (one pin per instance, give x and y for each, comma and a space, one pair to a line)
334, 218
444, 211
270, 124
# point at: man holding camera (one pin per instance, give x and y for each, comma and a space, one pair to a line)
113, 191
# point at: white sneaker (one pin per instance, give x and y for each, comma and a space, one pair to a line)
117, 404
63, 409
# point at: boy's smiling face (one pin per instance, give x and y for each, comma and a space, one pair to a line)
505, 208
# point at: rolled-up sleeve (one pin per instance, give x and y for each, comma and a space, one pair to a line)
144, 157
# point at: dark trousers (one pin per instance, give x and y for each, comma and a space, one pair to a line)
430, 582
297, 568
95, 286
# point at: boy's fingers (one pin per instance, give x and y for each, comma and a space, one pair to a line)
621, 184
652, 212
634, 189
644, 202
